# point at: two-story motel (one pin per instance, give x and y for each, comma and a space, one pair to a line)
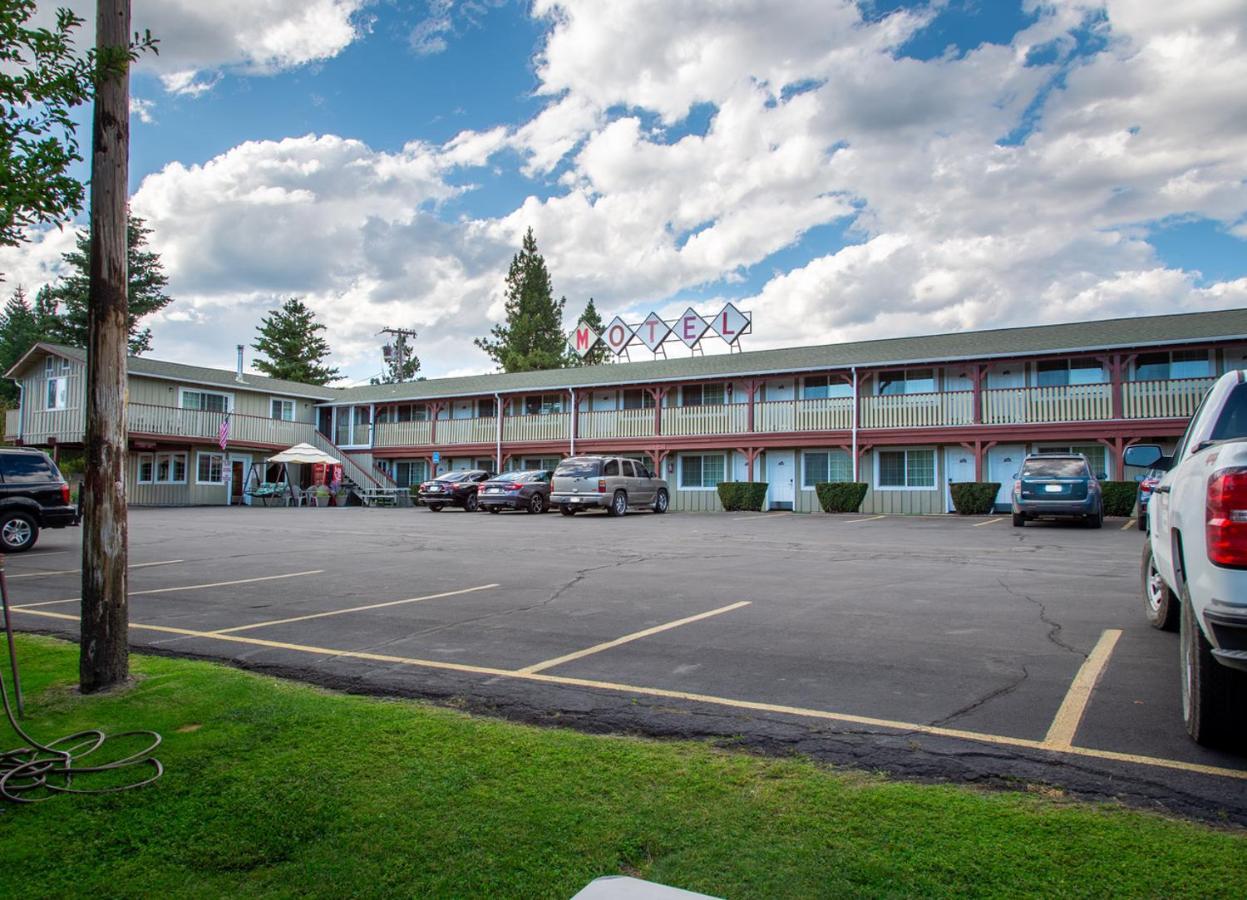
905, 415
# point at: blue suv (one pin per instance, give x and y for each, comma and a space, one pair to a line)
1057, 484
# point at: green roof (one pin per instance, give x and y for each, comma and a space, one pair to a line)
1139, 331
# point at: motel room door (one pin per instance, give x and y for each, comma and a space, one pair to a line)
238, 466
781, 467
959, 464
1003, 462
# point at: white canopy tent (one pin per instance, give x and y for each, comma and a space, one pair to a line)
282, 490
303, 453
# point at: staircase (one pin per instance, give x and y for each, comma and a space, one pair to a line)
353, 474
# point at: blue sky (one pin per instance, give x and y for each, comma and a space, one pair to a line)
843, 170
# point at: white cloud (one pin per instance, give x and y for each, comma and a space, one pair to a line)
143, 110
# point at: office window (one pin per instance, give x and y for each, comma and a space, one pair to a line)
703, 395
543, 404
210, 468
702, 472
408, 472
638, 399
147, 468
825, 465
170, 468
208, 401
281, 409
903, 469
907, 381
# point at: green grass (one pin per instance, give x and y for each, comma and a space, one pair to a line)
281, 789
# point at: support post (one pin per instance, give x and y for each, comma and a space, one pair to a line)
977, 372
104, 658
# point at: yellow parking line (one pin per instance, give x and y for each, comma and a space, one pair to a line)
1130, 523
187, 587
988, 522
628, 638
340, 612
1065, 724
999, 739
870, 519
167, 562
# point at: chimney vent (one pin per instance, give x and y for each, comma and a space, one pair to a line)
238, 377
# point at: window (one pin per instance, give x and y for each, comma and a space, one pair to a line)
486, 408
610, 468
210, 468
58, 393
1095, 453
205, 400
162, 468
1056, 467
1178, 364
825, 465
27, 468
702, 472
55, 365
543, 404
540, 463
1061, 372
905, 469
405, 412
907, 381
821, 387
702, 395
281, 409
410, 471
638, 399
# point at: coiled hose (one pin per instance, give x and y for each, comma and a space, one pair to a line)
39, 771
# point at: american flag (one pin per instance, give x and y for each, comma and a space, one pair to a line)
222, 435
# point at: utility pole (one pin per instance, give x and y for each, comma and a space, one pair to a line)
399, 344
104, 658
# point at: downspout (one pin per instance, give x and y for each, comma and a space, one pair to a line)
497, 432
856, 403
571, 424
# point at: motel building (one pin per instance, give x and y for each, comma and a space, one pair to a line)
907, 416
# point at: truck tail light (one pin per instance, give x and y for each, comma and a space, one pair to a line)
1226, 526
1017, 487
65, 494
601, 485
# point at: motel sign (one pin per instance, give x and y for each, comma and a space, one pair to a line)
729, 324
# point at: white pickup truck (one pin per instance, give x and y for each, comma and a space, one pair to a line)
1195, 560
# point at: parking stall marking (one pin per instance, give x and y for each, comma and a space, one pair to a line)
752, 705
1130, 523
1067, 719
628, 638
166, 562
188, 587
352, 609
869, 519
988, 522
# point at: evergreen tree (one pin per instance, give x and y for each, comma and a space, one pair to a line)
402, 364
290, 338
532, 336
21, 326
146, 283
600, 353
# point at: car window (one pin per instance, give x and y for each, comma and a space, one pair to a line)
1232, 422
610, 468
1180, 450
452, 476
1055, 468
628, 470
579, 468
26, 468
643, 471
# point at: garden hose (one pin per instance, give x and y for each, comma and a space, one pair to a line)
39, 771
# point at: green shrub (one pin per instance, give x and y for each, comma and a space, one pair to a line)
840, 496
1119, 497
742, 496
974, 498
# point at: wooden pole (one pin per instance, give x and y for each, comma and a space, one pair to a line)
104, 655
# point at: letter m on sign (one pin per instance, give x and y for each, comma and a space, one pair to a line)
583, 340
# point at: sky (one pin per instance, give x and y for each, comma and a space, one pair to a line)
841, 170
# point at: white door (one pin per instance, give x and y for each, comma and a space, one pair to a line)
1003, 463
781, 470
958, 466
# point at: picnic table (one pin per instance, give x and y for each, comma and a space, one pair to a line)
384, 496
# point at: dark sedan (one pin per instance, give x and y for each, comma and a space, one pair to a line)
529, 491
453, 489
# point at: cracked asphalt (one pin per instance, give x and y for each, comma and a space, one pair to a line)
891, 625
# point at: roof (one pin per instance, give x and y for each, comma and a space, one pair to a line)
171, 371
1105, 334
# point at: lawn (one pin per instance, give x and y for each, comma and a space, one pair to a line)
277, 788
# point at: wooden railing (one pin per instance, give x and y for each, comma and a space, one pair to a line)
681, 421
1064, 403
616, 423
1164, 399
918, 410
351, 470
12, 423
467, 431
405, 434
145, 418
551, 427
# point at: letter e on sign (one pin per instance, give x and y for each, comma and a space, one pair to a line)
729, 323
690, 327
618, 335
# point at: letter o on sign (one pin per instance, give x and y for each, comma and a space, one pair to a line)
615, 336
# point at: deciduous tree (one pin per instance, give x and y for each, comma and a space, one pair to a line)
290, 339
532, 336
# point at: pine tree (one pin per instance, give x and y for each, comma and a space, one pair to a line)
146, 283
402, 364
21, 326
290, 338
532, 336
600, 353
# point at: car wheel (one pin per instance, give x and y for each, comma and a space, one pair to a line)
1019, 520
1159, 603
435, 507
537, 504
661, 502
1143, 521
18, 532
1213, 695
619, 504
567, 510
1096, 519
470, 503
494, 510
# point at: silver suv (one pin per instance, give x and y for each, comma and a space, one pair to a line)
613, 483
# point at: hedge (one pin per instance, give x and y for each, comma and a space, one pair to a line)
742, 496
840, 496
1119, 497
974, 498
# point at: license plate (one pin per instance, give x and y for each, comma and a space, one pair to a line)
435, 490
1053, 488
493, 490
576, 499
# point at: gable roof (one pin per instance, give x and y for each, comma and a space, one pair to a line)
200, 375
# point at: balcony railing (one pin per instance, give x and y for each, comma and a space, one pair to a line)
405, 434
1061, 403
12, 423
467, 431
918, 410
145, 418
612, 423
549, 427
1164, 399
685, 421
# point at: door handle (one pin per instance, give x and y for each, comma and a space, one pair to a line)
1163, 489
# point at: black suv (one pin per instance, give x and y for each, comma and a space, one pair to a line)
33, 495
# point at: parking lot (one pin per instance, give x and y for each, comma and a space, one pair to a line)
942, 648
